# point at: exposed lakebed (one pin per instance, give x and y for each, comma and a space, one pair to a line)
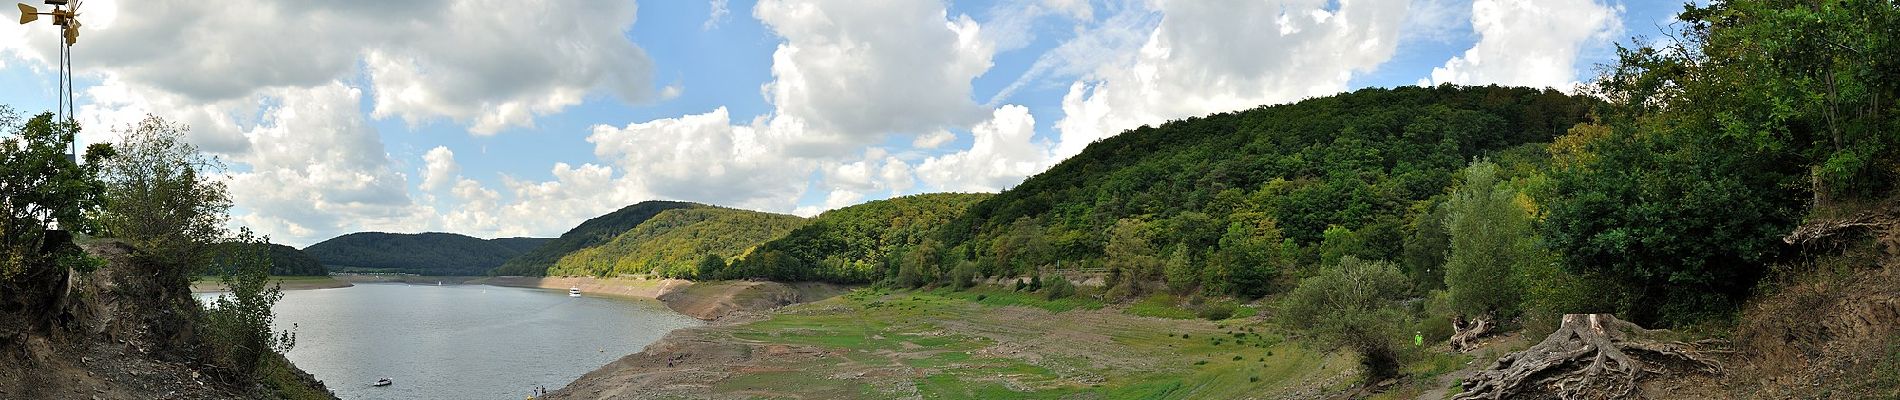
463, 341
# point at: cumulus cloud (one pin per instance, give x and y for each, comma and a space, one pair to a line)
1002, 154
439, 168
487, 63
852, 71
316, 168
1214, 56
704, 157
1529, 43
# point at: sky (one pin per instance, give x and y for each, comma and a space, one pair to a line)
499, 118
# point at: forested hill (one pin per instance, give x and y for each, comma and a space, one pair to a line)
420, 253
851, 244
288, 261
1229, 198
522, 244
673, 242
589, 233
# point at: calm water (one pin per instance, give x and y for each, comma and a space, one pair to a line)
462, 342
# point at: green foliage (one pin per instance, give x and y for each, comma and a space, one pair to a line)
672, 243
42, 187
1353, 304
1491, 240
1132, 263
963, 276
709, 265
161, 197
431, 253
864, 243
284, 260
589, 233
238, 323
1716, 144
1357, 163
1426, 244
1058, 288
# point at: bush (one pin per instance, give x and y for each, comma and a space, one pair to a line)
1353, 304
963, 276
1058, 288
1216, 311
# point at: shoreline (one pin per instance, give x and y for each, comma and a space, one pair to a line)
288, 283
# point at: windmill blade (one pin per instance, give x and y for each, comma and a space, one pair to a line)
28, 14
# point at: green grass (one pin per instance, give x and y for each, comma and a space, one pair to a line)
943, 344
1160, 306
1001, 297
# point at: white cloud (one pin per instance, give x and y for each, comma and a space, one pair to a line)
1209, 57
1529, 43
853, 71
500, 63
486, 63
1002, 154
439, 169
705, 158
717, 15
933, 139
316, 168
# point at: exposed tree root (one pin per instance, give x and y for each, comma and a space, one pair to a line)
1591, 356
1465, 335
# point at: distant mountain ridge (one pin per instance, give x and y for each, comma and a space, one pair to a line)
433, 253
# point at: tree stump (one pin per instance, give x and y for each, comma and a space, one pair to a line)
1591, 356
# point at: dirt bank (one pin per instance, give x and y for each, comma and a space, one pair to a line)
715, 300
624, 287
704, 300
287, 283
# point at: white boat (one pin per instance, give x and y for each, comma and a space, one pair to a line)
574, 292
382, 382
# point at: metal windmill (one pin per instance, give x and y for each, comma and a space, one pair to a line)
66, 17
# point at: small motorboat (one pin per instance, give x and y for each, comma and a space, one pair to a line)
382, 382
574, 292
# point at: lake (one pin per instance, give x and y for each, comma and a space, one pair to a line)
462, 341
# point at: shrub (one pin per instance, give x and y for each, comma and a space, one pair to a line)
1353, 304
1217, 311
1058, 288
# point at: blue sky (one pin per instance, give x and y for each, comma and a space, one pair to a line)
503, 118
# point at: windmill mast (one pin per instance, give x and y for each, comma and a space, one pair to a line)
67, 19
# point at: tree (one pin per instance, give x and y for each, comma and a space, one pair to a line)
1353, 304
709, 267
1491, 237
161, 198
1132, 263
1718, 143
239, 322
1426, 244
1182, 275
1247, 260
43, 188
